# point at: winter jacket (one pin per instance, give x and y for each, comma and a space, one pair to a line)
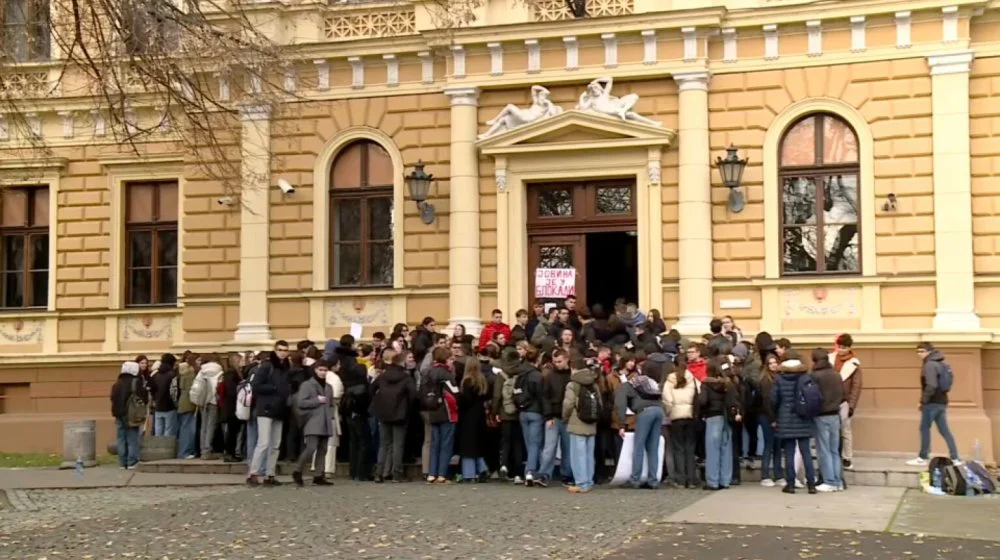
553, 391
790, 424
357, 396
164, 390
930, 372
185, 376
579, 379
646, 342
393, 394
489, 330
720, 345
441, 376
230, 387
509, 370
271, 390
614, 384
315, 417
766, 406
297, 375
718, 398
850, 375
210, 374
423, 343
681, 403
122, 390
533, 385
830, 387
627, 398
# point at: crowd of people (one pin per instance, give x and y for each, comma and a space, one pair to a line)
553, 398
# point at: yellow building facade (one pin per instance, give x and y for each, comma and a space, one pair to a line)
870, 193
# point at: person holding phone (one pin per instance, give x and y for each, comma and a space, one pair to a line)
315, 408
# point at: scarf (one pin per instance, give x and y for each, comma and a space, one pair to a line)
645, 385
841, 359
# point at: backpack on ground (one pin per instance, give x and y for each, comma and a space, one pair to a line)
507, 392
588, 404
936, 468
199, 391
431, 398
135, 408
977, 478
808, 398
244, 399
522, 400
953, 482
946, 378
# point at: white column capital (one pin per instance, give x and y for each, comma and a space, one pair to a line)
463, 96
255, 112
950, 63
692, 80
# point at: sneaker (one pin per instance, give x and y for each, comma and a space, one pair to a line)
321, 481
826, 488
542, 483
431, 479
271, 481
442, 480
529, 481
503, 473
568, 484
518, 480
573, 489
918, 462
848, 464
297, 479
788, 489
767, 483
252, 481
189, 456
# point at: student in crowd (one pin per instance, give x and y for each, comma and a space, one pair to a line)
204, 394
827, 424
735, 414
642, 395
232, 425
496, 325
581, 408
129, 402
935, 382
423, 338
271, 394
528, 396
164, 392
504, 410
718, 343
474, 394
519, 331
752, 395
848, 366
770, 463
731, 331
719, 405
657, 325
314, 401
793, 430
680, 398
782, 347
337, 386
556, 433
187, 433
356, 402
394, 394
441, 381
292, 426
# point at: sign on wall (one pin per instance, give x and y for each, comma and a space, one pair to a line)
555, 282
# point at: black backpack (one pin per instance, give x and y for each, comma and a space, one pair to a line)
431, 398
588, 404
522, 400
356, 399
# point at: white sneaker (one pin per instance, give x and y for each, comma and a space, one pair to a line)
431, 479
518, 480
503, 473
826, 488
529, 480
767, 483
799, 483
918, 462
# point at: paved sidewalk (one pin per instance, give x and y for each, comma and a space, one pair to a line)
105, 477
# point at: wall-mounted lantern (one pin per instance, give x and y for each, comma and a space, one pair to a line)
731, 168
419, 184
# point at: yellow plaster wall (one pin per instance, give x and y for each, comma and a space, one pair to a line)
417, 124
984, 131
893, 96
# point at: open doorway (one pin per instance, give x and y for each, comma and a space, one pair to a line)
612, 268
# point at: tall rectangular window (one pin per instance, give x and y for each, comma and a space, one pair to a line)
151, 243
26, 32
24, 242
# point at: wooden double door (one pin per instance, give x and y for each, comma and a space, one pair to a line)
566, 222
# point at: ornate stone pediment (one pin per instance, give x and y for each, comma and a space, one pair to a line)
576, 130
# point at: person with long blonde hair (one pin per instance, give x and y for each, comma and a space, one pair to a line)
473, 399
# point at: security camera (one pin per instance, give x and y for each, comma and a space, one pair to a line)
226, 201
286, 187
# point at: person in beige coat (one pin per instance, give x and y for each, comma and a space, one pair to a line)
680, 399
582, 388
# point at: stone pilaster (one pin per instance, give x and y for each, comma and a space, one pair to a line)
463, 233
694, 243
255, 151
953, 261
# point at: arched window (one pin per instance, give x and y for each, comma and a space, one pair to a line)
819, 172
361, 218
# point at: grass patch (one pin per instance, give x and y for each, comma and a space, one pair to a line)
31, 460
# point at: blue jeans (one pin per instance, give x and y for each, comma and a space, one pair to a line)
252, 443
582, 454
772, 453
556, 435
718, 452
472, 466
828, 448
532, 426
648, 427
165, 423
934, 413
788, 444
442, 441
128, 443
186, 435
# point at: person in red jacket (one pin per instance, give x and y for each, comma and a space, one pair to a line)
496, 326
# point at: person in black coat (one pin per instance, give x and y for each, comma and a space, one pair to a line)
354, 408
474, 396
271, 394
394, 395
423, 338
231, 380
720, 407
129, 383
297, 375
164, 394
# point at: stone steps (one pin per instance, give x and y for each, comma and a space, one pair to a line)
869, 470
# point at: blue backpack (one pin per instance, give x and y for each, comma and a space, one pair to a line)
808, 398
945, 378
